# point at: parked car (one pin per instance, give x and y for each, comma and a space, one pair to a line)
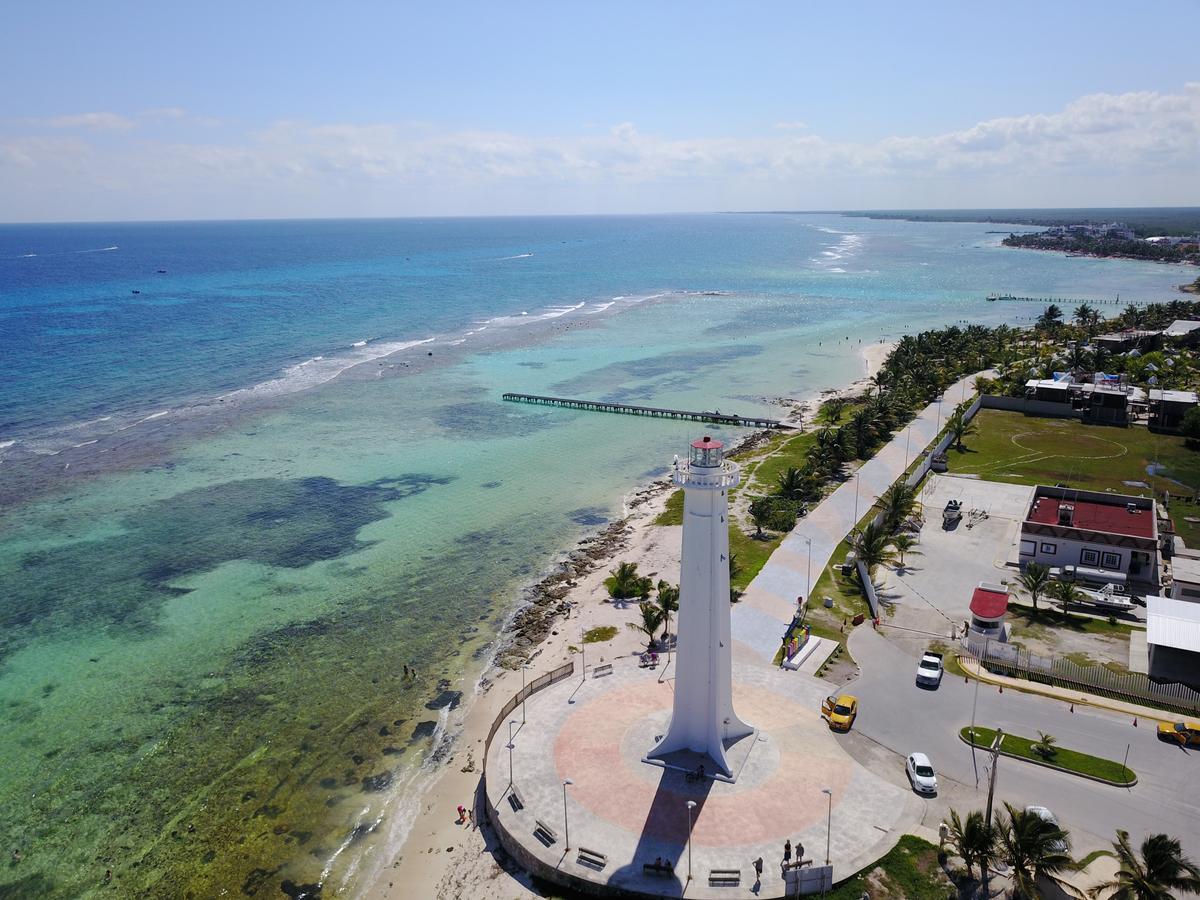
1186, 734
920, 773
840, 711
929, 669
1048, 817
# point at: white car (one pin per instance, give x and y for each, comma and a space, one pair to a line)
921, 774
929, 669
1048, 817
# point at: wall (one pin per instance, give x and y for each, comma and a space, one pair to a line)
1031, 407
1069, 553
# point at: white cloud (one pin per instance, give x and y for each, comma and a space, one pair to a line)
1105, 147
97, 120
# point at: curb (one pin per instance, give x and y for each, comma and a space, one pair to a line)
1047, 765
1084, 698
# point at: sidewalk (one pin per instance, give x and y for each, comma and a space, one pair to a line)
770, 599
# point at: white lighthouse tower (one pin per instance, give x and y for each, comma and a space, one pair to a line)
703, 720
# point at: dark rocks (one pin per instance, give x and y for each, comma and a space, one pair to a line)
444, 699
301, 891
423, 730
375, 783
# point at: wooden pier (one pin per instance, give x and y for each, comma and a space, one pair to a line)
628, 409
1064, 302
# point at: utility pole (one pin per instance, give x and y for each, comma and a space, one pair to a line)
975, 703
991, 792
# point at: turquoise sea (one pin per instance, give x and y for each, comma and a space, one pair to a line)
239, 494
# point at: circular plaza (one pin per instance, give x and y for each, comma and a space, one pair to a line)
574, 799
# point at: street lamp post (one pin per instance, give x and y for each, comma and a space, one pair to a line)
524, 666
857, 478
828, 822
808, 577
566, 825
975, 704
691, 804
907, 436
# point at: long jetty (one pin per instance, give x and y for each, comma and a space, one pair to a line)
1065, 301
629, 409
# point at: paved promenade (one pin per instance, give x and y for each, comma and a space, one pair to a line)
770, 599
595, 733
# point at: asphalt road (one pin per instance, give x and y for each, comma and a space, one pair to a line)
895, 715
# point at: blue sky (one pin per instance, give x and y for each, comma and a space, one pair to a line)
123, 110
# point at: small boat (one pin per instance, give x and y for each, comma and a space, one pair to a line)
162, 271
135, 292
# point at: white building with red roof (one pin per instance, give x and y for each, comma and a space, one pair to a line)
989, 604
1105, 537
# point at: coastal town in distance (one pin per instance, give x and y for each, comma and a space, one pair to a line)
635, 451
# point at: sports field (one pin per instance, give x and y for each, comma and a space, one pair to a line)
1026, 450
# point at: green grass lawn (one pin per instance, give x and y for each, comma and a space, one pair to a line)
600, 634
1071, 760
1023, 449
909, 871
1024, 617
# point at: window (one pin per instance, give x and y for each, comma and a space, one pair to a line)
1028, 548
1050, 548
1112, 561
1089, 557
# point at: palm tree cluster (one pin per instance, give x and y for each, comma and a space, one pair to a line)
656, 612
890, 535
1036, 849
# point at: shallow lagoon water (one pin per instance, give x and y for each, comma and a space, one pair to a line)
201, 668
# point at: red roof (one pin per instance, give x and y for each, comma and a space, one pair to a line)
707, 443
1110, 518
989, 604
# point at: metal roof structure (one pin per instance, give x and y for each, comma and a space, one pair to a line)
1173, 623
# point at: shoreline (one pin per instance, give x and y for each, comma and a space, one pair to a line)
440, 857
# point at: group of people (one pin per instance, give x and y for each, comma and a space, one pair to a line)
466, 816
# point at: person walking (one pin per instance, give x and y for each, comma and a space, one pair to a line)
758, 867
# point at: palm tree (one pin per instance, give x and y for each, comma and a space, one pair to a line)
903, 543
1066, 593
1034, 848
1044, 746
959, 426
668, 602
973, 840
1083, 314
1050, 319
897, 502
1161, 869
1035, 579
872, 545
735, 569
792, 484
652, 617
624, 581
833, 408
761, 509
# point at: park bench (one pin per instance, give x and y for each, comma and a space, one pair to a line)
664, 870
724, 877
544, 832
592, 859
515, 800
605, 669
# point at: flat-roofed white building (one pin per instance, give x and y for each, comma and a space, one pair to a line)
1096, 533
1173, 636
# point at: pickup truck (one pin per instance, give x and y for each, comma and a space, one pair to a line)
929, 669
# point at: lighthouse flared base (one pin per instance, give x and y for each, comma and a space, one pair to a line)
737, 752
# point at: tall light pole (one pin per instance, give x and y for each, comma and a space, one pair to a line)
857, 478
691, 804
808, 587
907, 437
975, 704
828, 822
566, 826
524, 666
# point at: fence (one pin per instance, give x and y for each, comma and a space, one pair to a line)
1132, 687
539, 683
1044, 408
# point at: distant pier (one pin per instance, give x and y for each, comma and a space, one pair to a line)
1063, 301
628, 409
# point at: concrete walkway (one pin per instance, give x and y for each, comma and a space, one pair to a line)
767, 606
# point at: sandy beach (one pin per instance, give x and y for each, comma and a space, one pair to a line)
444, 857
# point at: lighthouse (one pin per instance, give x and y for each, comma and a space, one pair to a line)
702, 718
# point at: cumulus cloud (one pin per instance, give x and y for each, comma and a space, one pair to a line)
1129, 139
